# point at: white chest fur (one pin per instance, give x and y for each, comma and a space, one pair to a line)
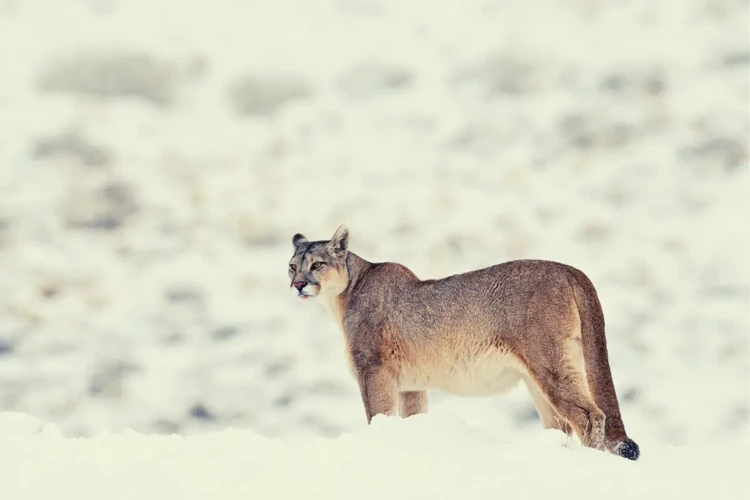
332, 305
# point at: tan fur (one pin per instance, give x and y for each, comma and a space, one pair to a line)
412, 403
472, 334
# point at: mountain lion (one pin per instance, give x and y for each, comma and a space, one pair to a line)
472, 334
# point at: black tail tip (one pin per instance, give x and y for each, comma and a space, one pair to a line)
628, 449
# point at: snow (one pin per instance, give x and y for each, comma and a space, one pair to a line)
425, 456
146, 224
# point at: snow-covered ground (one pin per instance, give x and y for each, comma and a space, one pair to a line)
427, 456
156, 157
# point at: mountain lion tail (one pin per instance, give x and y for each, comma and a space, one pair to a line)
598, 372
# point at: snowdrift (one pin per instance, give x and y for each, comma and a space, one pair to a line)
156, 157
426, 456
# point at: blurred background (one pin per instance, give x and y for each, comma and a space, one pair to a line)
156, 157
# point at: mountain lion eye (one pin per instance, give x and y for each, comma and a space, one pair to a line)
316, 266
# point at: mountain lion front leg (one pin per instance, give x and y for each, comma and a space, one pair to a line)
413, 403
378, 388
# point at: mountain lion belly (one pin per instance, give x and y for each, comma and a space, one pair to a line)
490, 371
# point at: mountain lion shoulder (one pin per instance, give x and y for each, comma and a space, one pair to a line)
473, 334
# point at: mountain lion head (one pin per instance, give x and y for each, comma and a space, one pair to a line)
319, 267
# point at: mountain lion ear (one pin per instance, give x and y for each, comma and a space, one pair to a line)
339, 244
298, 240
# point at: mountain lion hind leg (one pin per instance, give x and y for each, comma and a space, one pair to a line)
549, 417
563, 388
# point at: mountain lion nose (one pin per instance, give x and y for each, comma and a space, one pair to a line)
299, 285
